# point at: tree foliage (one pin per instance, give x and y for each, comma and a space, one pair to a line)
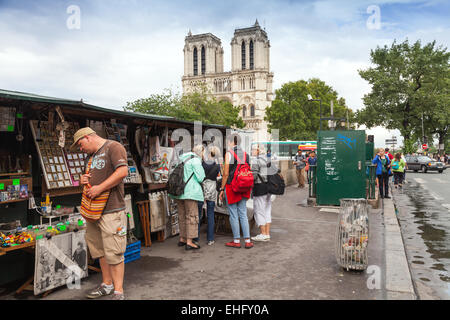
296, 117
408, 81
196, 106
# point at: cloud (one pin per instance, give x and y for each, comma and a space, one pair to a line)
126, 50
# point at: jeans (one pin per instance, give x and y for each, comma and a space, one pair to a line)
238, 213
398, 178
383, 182
210, 205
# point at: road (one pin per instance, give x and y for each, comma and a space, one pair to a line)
423, 211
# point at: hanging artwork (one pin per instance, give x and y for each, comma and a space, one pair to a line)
166, 155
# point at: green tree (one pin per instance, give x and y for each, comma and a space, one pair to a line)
296, 117
407, 81
196, 106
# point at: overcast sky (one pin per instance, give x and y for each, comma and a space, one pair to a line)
126, 50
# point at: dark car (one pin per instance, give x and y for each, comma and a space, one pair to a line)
424, 163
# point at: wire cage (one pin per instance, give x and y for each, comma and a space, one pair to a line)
352, 234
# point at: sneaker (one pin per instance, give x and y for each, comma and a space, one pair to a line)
210, 243
233, 244
118, 296
248, 245
100, 291
387, 197
260, 237
267, 237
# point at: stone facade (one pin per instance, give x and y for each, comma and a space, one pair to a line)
248, 84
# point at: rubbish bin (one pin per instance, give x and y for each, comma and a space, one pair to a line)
352, 234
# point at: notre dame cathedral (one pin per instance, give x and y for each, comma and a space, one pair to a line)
248, 84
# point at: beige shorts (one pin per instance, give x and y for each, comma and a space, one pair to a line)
107, 237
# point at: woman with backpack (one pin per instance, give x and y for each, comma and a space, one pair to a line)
383, 170
209, 185
236, 191
262, 204
398, 167
187, 202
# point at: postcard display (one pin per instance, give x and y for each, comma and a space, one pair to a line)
118, 132
61, 167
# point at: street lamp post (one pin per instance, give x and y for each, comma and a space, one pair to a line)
332, 118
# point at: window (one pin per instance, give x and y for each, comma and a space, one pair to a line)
243, 54
195, 62
251, 55
244, 111
252, 111
203, 60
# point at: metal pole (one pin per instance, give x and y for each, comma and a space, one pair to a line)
423, 134
320, 115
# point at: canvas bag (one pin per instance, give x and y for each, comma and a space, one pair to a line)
243, 177
92, 209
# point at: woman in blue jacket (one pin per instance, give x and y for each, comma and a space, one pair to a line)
383, 171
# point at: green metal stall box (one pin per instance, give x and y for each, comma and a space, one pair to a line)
341, 157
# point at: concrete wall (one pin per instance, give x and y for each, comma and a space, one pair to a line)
287, 171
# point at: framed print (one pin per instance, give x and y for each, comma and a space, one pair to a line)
75, 156
79, 170
60, 176
73, 171
63, 168
69, 156
55, 159
49, 177
53, 168
53, 185
76, 177
47, 168
66, 176
77, 163
67, 183
45, 160
55, 176
50, 160
61, 159
58, 168
71, 164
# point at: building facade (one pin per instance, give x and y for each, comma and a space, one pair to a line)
248, 84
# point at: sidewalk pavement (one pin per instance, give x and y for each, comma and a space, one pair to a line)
298, 263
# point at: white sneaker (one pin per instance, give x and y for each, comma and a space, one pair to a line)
260, 237
267, 237
210, 243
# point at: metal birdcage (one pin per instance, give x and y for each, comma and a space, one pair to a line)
352, 234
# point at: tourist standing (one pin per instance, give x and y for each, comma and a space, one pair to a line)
398, 167
236, 202
262, 204
187, 203
212, 169
106, 237
300, 164
383, 169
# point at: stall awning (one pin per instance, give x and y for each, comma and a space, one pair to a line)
16, 95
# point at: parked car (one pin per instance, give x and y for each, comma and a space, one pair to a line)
424, 163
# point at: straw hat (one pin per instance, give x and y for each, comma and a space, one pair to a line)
80, 134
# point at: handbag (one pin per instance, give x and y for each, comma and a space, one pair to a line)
92, 208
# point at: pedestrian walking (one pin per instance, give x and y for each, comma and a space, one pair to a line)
398, 167
312, 161
300, 164
262, 204
235, 160
187, 203
212, 168
103, 186
383, 171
